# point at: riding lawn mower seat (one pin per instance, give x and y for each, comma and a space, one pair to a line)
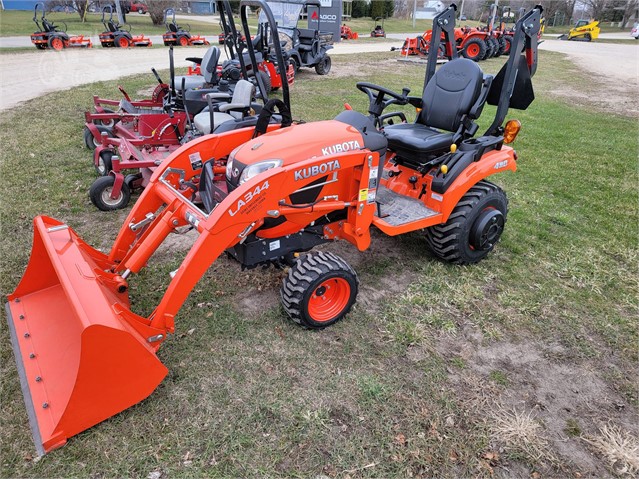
237, 109
452, 99
208, 66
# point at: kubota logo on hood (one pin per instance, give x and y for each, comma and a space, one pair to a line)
341, 147
314, 16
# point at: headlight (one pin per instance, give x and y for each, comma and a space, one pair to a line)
229, 165
257, 168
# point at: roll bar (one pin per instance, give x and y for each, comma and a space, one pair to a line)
443, 22
244, 5
512, 86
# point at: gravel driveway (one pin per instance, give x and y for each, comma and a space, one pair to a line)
24, 76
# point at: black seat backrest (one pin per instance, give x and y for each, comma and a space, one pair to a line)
209, 64
306, 35
450, 94
173, 27
48, 26
113, 27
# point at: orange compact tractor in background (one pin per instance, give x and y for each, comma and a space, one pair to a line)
84, 355
50, 36
115, 35
177, 35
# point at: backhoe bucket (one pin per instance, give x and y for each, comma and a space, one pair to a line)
82, 355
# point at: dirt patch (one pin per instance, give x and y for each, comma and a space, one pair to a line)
568, 399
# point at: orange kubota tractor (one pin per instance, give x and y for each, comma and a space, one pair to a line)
84, 355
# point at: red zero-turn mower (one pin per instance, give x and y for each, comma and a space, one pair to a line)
225, 112
177, 35
285, 191
116, 36
50, 36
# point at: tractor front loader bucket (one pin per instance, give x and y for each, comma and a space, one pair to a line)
82, 356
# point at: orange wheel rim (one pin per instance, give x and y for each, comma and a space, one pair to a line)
329, 299
57, 44
184, 41
123, 42
473, 50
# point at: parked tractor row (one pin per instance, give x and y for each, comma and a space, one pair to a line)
474, 43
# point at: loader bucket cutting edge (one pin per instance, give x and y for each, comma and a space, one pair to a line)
79, 358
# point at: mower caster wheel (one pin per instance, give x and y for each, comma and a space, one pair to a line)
133, 181
324, 66
100, 194
319, 290
104, 166
90, 141
474, 226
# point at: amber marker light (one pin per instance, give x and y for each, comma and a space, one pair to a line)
511, 130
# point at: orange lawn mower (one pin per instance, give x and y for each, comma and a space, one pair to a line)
176, 35
286, 190
49, 35
347, 33
116, 36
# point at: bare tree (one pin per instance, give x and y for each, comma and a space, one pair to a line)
596, 7
157, 8
79, 6
631, 7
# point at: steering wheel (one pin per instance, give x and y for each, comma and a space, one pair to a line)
377, 94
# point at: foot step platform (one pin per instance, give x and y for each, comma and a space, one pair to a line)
399, 210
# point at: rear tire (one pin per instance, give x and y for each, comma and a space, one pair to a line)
266, 80
183, 41
496, 47
474, 226
508, 41
324, 66
474, 50
56, 43
319, 290
100, 192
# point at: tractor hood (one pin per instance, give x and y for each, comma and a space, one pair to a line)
304, 141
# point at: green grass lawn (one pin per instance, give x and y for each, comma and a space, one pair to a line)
426, 376
14, 22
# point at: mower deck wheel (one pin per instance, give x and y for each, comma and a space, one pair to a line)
92, 143
319, 290
104, 165
474, 226
324, 66
100, 194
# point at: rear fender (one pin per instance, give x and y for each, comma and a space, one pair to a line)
495, 161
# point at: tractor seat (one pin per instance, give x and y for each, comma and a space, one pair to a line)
455, 94
240, 104
173, 28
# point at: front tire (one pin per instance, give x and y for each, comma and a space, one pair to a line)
100, 194
474, 226
90, 141
324, 66
319, 290
105, 165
